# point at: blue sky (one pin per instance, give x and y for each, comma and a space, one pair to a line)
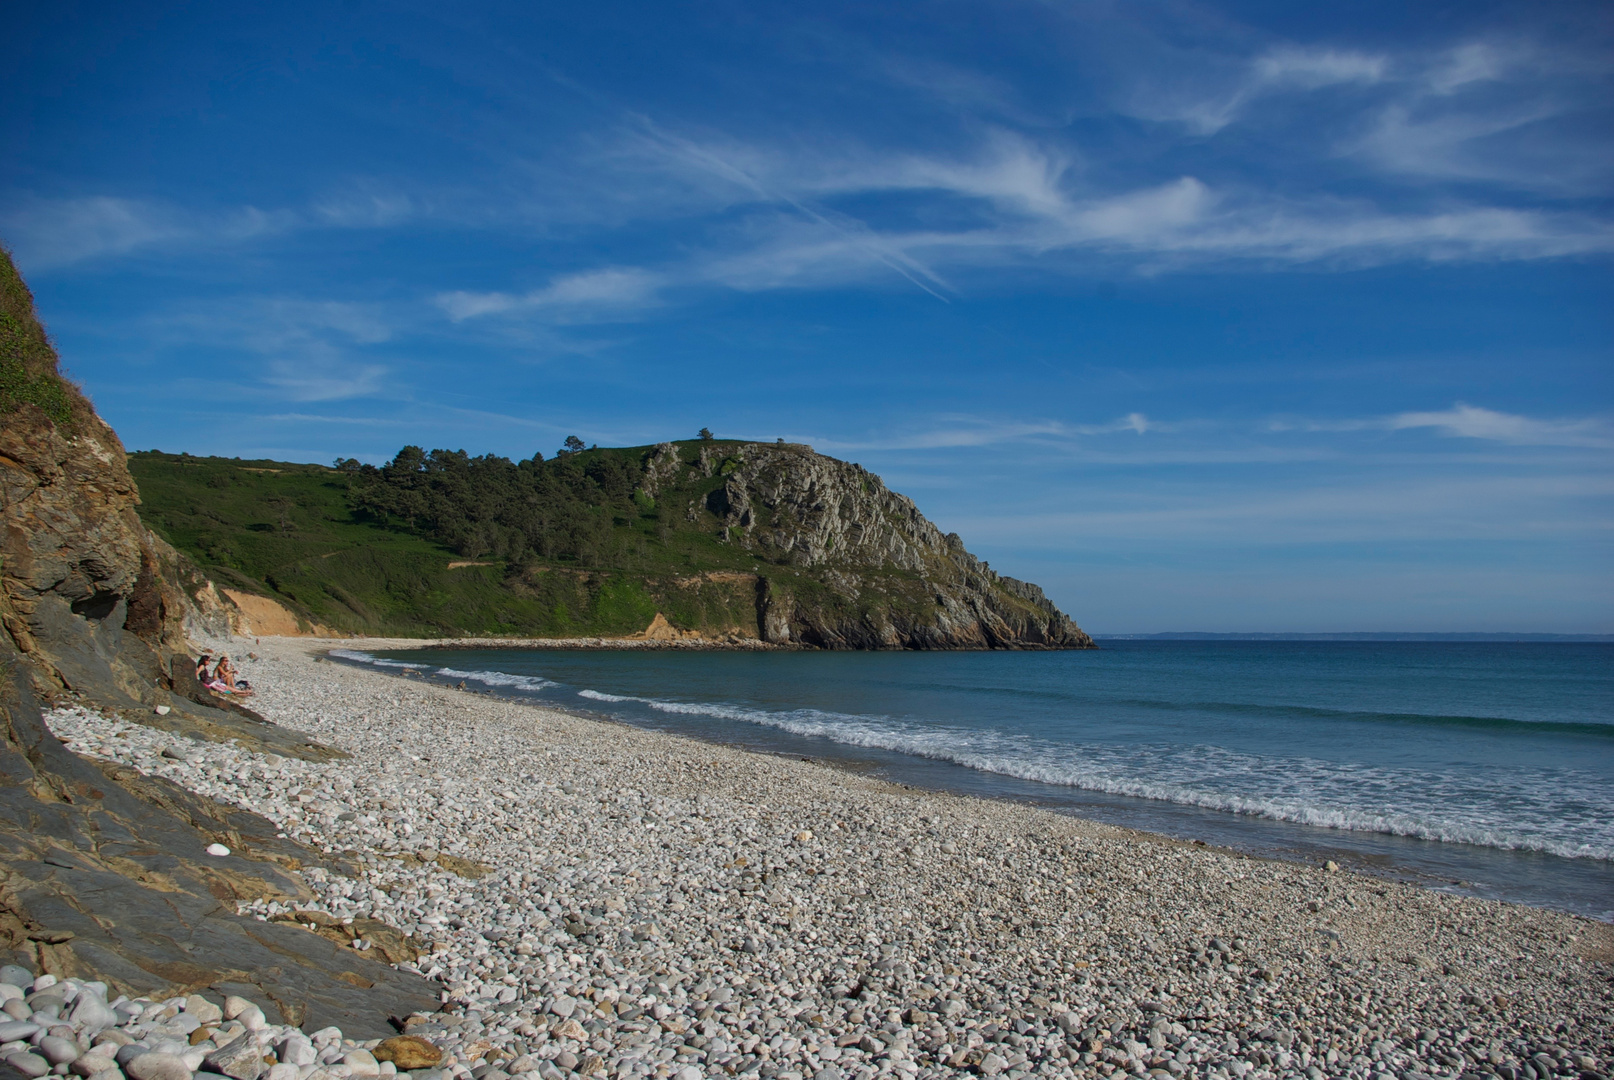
1206, 317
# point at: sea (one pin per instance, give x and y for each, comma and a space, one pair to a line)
1479, 768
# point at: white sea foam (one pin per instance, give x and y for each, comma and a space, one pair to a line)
498, 678
1558, 812
597, 695
1505, 812
366, 658
486, 678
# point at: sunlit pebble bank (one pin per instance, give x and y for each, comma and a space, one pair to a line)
667, 908
69, 1027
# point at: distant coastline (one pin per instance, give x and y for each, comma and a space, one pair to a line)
1385, 636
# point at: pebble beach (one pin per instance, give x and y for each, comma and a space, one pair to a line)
597, 900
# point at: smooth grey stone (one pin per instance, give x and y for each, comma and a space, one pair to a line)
297, 1050
126, 1054
91, 1014
17, 1029
992, 1064
57, 1050
240, 1058
16, 975
90, 1064
28, 1064
46, 1001
158, 1067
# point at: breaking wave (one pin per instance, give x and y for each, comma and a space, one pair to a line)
366, 658
1307, 791
1559, 810
498, 679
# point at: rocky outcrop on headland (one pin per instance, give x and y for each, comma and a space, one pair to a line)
105, 873
870, 571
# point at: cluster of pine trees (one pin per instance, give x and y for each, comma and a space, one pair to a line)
564, 508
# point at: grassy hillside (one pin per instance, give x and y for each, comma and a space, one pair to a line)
310, 536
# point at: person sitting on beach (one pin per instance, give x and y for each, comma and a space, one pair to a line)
224, 679
203, 676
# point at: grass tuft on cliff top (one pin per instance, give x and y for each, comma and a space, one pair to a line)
29, 371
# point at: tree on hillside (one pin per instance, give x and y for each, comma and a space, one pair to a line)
706, 435
572, 445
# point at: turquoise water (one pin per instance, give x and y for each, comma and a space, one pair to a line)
1487, 768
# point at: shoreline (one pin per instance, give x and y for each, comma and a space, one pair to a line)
1497, 873
697, 644
795, 918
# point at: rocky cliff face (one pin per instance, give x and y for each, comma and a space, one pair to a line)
102, 871
866, 568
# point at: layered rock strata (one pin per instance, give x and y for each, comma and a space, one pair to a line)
103, 872
872, 571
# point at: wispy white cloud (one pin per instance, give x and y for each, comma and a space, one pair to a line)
47, 233
313, 377
1339, 510
355, 421
1516, 115
1014, 200
612, 292
1311, 68
955, 85
1469, 63
1184, 222
364, 210
1223, 441
300, 349
956, 431
1473, 422
1285, 69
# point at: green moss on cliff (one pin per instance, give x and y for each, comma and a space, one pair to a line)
28, 368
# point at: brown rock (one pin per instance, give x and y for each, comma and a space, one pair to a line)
408, 1052
104, 869
569, 1029
392, 945
465, 868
